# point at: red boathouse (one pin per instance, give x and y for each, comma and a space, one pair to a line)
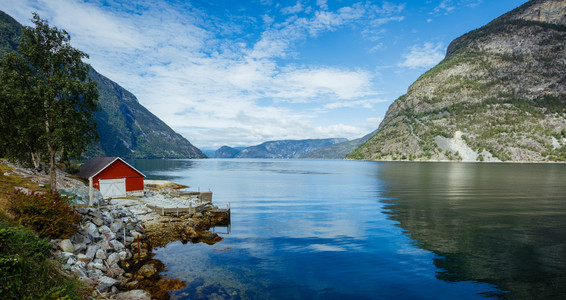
112, 176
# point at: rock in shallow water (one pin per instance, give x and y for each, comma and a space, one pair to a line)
147, 271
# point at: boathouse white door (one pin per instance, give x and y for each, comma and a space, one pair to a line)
113, 187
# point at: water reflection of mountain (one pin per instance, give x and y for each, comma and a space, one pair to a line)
503, 224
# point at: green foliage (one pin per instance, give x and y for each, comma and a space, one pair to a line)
48, 103
10, 31
49, 214
25, 270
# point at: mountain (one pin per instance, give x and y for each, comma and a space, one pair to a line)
126, 128
338, 150
10, 32
286, 148
499, 95
227, 152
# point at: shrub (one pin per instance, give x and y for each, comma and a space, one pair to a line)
49, 214
25, 270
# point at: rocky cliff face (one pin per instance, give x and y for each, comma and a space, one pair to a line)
499, 95
126, 128
542, 11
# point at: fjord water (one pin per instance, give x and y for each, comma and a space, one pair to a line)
329, 229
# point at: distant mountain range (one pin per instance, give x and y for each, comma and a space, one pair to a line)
126, 127
227, 152
498, 95
338, 150
277, 149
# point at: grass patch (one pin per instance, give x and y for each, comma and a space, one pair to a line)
26, 272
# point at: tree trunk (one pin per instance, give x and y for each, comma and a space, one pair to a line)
52, 169
35, 160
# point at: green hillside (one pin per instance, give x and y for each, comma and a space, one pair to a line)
499, 95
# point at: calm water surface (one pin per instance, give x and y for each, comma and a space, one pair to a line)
324, 229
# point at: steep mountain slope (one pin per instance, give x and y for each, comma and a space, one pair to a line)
126, 128
286, 148
10, 32
129, 130
500, 94
339, 150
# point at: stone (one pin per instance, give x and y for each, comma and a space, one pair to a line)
115, 271
80, 264
116, 227
129, 240
84, 258
142, 254
81, 210
71, 261
79, 269
210, 237
108, 236
190, 232
113, 258
97, 221
130, 227
64, 256
99, 266
105, 245
139, 228
104, 229
67, 246
80, 247
86, 280
95, 273
147, 271
136, 235
79, 238
91, 229
90, 266
101, 254
116, 245
91, 251
125, 255
134, 295
105, 283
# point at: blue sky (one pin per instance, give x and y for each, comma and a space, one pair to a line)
239, 73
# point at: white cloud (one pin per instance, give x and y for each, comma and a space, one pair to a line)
187, 68
304, 84
322, 3
289, 10
423, 56
365, 103
445, 7
373, 123
448, 6
376, 48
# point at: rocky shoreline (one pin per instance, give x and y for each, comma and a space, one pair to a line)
111, 251
112, 248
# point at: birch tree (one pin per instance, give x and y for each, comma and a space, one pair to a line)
49, 102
